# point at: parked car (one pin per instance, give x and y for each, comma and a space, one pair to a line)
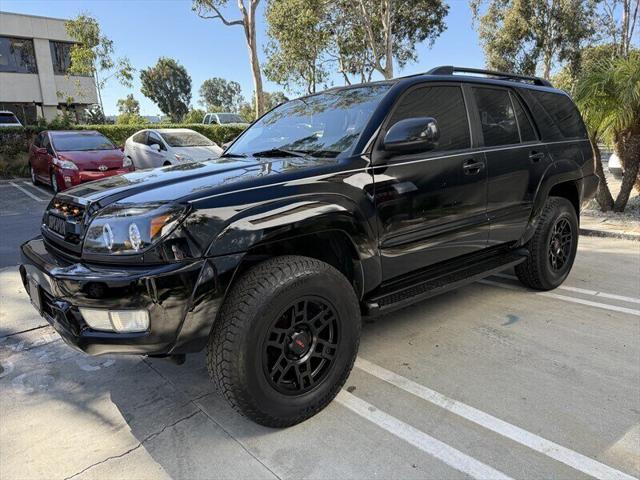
64, 158
224, 119
354, 201
169, 146
614, 165
9, 119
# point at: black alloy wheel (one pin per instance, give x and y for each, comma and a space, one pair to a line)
300, 346
560, 244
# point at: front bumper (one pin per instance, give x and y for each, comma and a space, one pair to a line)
182, 300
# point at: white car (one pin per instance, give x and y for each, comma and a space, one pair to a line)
615, 167
224, 119
8, 119
153, 148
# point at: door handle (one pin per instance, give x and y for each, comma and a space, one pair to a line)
536, 156
471, 167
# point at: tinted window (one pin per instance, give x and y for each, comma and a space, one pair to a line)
154, 139
230, 118
186, 139
60, 56
446, 105
556, 115
527, 132
17, 55
140, 137
78, 142
6, 118
497, 117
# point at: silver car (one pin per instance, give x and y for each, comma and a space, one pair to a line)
152, 148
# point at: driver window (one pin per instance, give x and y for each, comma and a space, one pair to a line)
497, 117
446, 105
154, 139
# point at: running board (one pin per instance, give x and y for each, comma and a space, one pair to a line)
433, 283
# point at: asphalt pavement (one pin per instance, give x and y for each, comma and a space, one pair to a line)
488, 381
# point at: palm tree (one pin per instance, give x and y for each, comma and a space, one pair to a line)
608, 96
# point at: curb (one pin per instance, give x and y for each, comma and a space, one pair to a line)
590, 232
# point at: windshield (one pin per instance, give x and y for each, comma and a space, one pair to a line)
81, 142
325, 124
186, 139
8, 118
230, 118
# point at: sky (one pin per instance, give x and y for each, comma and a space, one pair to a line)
145, 30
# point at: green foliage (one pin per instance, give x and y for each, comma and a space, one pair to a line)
130, 119
195, 115
129, 105
220, 95
62, 122
300, 37
168, 85
522, 35
94, 115
93, 54
273, 99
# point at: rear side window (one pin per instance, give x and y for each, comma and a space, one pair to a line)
446, 105
527, 132
555, 114
8, 118
497, 118
140, 137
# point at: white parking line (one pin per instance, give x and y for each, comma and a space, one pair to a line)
583, 291
604, 306
443, 452
562, 454
28, 193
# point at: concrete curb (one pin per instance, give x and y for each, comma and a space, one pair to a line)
590, 232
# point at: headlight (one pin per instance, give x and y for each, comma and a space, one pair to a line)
131, 228
126, 162
183, 158
65, 164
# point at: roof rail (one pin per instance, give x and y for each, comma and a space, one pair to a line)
450, 70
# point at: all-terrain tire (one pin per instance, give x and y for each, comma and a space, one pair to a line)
549, 264
245, 327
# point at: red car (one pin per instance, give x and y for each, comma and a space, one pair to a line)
64, 158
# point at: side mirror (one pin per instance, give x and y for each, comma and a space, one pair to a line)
41, 150
155, 147
416, 134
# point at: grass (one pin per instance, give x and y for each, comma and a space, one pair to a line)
14, 165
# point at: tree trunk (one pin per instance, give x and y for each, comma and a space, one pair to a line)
603, 194
628, 148
249, 24
387, 25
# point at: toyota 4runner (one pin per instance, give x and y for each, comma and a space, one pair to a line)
354, 201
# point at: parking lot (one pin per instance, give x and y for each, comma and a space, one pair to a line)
489, 381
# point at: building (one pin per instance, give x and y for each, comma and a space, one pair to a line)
34, 58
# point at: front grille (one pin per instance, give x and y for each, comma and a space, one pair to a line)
63, 225
70, 211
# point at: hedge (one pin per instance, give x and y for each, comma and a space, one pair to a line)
14, 142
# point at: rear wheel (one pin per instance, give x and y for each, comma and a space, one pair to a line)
553, 247
285, 341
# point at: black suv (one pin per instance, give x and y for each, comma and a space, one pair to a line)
349, 202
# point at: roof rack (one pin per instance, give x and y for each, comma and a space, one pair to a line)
450, 70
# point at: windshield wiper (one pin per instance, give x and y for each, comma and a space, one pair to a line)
279, 152
233, 155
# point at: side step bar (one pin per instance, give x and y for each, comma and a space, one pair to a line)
431, 284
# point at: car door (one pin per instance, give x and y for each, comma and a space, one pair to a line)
515, 160
34, 155
431, 206
137, 145
45, 158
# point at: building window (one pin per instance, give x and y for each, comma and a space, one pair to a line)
17, 55
60, 56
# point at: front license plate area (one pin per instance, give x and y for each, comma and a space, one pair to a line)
34, 294
57, 224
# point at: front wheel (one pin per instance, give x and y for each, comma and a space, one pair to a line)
285, 340
553, 247
32, 174
54, 183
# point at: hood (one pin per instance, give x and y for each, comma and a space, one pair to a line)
194, 180
199, 154
94, 159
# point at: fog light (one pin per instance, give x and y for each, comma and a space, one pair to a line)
116, 320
